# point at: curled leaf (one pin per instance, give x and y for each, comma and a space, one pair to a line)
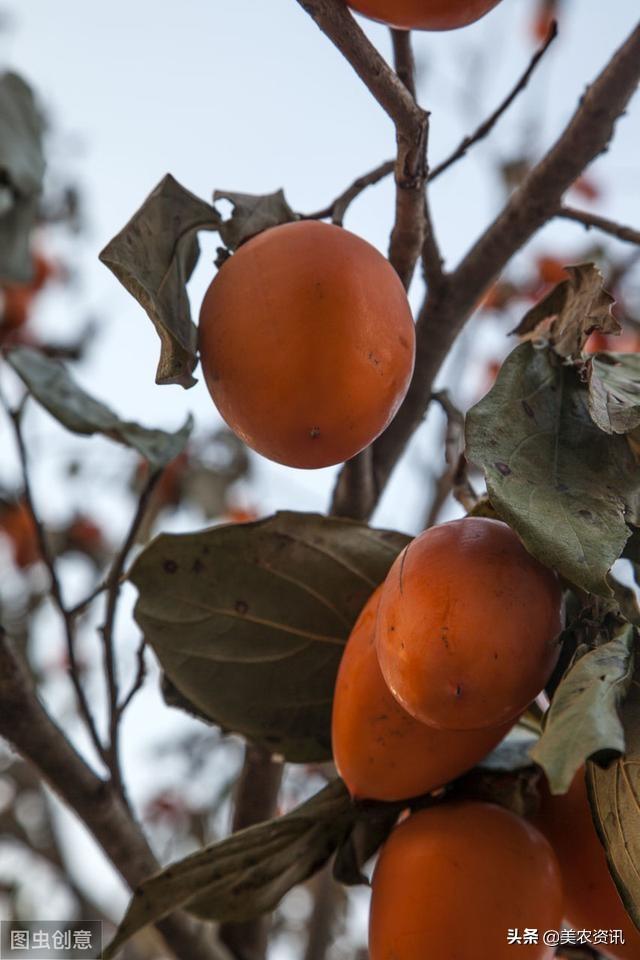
614, 392
153, 257
570, 312
614, 795
50, 383
583, 720
252, 213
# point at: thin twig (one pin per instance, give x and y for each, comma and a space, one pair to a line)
487, 125
592, 220
114, 580
336, 210
55, 585
139, 677
82, 605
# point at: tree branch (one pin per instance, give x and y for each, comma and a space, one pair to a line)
410, 121
412, 227
533, 204
589, 220
28, 727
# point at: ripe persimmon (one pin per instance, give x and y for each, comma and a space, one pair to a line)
591, 898
307, 343
453, 879
467, 625
424, 14
380, 751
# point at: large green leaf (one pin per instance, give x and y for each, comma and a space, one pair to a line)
584, 717
614, 391
248, 873
21, 171
563, 485
53, 386
153, 256
614, 794
249, 620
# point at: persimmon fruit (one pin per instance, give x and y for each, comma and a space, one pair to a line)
467, 626
380, 751
451, 880
424, 14
591, 899
307, 343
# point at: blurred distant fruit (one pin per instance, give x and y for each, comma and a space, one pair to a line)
546, 11
17, 525
551, 270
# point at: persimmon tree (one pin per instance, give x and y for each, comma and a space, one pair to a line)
248, 619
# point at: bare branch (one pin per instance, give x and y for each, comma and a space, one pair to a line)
592, 220
533, 204
410, 121
28, 727
114, 582
338, 207
412, 227
487, 125
342, 29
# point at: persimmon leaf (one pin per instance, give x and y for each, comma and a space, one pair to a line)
570, 312
22, 168
249, 620
153, 256
614, 795
50, 383
248, 873
565, 487
252, 213
614, 391
584, 719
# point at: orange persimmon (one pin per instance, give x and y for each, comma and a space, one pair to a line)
424, 14
468, 624
380, 751
591, 899
452, 880
307, 343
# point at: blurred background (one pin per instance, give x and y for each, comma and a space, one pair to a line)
248, 96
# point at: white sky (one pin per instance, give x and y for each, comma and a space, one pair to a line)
247, 95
